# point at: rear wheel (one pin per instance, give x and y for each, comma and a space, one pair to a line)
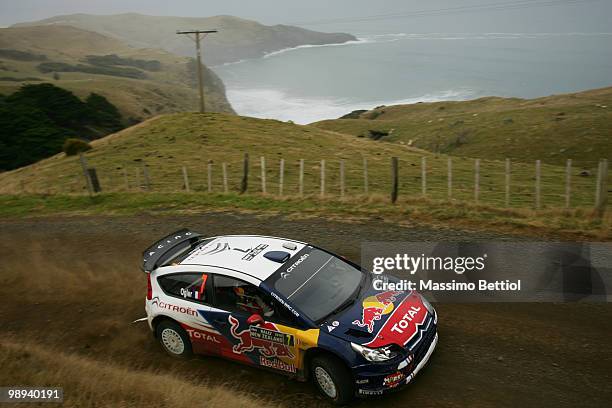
173, 339
332, 378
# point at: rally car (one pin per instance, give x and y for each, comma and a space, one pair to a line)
286, 306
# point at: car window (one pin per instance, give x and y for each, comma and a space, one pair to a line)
236, 296
316, 282
191, 286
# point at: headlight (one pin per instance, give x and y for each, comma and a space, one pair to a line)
375, 355
428, 305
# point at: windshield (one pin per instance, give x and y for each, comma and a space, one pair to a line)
317, 282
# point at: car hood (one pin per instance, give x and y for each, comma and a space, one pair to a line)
379, 318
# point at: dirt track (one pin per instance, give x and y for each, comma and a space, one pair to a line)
75, 284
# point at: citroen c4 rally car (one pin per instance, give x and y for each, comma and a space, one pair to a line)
287, 306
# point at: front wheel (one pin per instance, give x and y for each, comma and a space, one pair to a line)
333, 379
173, 339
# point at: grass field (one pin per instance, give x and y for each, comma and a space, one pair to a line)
90, 382
169, 142
573, 126
575, 224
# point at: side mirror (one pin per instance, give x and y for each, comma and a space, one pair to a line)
255, 319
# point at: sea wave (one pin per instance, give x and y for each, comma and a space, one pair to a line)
277, 104
370, 39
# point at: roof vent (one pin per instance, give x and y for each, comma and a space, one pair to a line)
290, 246
277, 256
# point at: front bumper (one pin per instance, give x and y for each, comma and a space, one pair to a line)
378, 379
380, 383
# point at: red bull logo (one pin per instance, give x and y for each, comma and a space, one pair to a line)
265, 338
374, 307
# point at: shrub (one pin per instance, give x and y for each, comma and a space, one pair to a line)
73, 147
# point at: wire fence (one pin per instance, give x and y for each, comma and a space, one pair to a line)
502, 184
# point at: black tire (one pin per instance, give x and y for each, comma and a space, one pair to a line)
173, 339
338, 373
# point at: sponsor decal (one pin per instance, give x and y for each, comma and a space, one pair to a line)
267, 340
285, 274
251, 252
285, 304
170, 240
174, 308
330, 328
362, 381
361, 391
393, 380
376, 306
402, 325
276, 364
200, 335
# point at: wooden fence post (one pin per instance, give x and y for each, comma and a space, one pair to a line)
301, 180
476, 179
598, 184
568, 182
209, 176
507, 183
322, 177
603, 189
538, 177
281, 177
341, 178
145, 174
450, 178
244, 184
186, 179
95, 183
365, 176
394, 179
224, 170
424, 176
86, 173
262, 162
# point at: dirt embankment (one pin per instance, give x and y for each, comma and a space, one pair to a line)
74, 285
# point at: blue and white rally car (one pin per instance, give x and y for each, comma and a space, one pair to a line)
287, 306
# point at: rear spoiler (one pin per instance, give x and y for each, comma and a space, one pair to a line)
167, 248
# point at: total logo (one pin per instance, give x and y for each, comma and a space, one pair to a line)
404, 323
198, 335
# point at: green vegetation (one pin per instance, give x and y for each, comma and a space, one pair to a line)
571, 224
47, 67
573, 126
21, 55
140, 82
113, 59
73, 147
36, 120
167, 143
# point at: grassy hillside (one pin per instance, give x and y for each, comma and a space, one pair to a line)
237, 39
140, 82
553, 129
166, 143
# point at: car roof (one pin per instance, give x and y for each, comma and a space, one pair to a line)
249, 254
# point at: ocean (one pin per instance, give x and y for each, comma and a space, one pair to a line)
311, 83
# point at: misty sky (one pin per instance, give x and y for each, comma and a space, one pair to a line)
565, 16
